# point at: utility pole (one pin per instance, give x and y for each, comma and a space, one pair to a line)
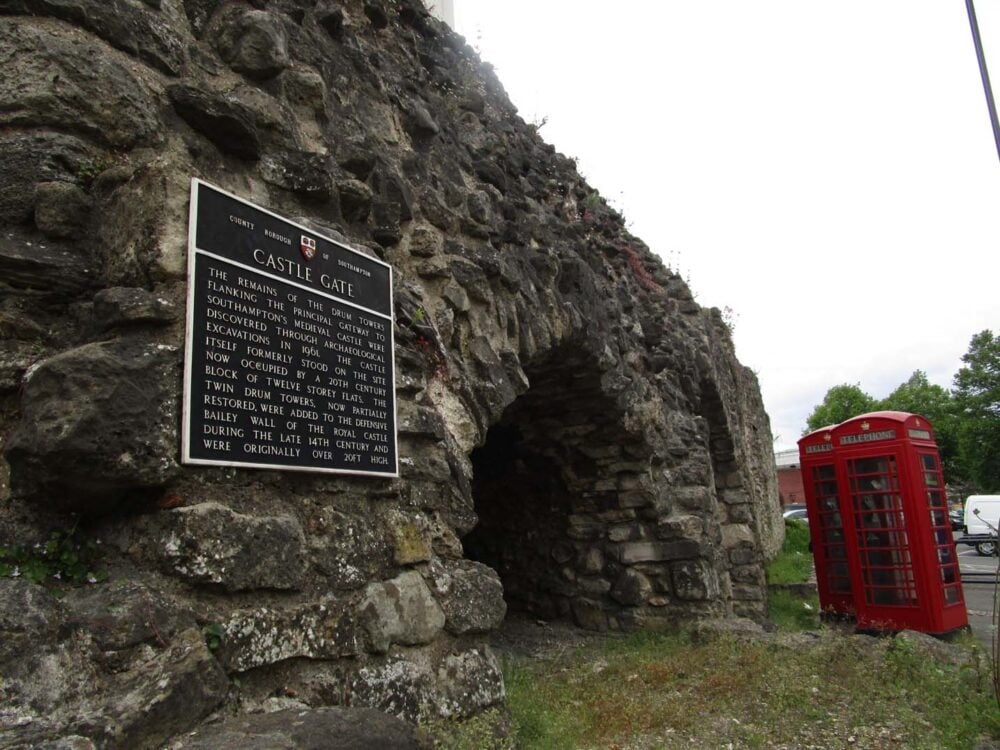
984, 74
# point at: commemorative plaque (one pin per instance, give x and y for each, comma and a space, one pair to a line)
289, 351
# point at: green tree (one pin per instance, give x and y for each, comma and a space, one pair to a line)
919, 396
977, 401
841, 402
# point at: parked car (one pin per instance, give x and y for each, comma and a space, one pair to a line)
957, 518
795, 514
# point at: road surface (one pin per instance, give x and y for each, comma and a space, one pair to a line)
978, 596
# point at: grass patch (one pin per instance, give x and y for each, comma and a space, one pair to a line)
665, 691
790, 611
795, 562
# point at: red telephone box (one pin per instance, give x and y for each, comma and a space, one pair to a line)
826, 522
892, 512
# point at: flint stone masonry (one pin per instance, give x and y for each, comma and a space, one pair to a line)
576, 438
209, 543
400, 611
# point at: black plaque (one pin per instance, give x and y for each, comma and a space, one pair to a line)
289, 345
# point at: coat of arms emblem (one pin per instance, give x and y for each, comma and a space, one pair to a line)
308, 247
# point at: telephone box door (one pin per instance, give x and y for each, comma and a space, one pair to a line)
826, 523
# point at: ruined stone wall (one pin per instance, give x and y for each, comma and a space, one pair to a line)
555, 383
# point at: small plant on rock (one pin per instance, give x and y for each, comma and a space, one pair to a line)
639, 270
66, 557
213, 635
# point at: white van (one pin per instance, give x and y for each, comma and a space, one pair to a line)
982, 512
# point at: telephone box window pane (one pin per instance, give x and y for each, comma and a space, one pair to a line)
938, 518
877, 505
929, 461
871, 466
948, 575
830, 527
834, 552
951, 595
930, 479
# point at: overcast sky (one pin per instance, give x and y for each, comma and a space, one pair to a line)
826, 169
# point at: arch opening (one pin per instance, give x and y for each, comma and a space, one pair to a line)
561, 490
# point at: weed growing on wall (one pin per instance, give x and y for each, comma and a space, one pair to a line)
66, 557
639, 270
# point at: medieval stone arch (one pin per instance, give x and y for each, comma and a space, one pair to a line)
588, 517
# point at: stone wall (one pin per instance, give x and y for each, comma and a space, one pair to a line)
556, 384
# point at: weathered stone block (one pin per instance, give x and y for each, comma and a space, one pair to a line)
680, 527
589, 585
398, 687
743, 555
61, 79
401, 610
426, 241
693, 498
739, 514
349, 550
632, 588
171, 694
122, 306
636, 499
748, 593
584, 528
27, 608
130, 27
28, 158
470, 594
223, 118
302, 172
252, 42
752, 574
469, 682
589, 615
124, 614
209, 543
324, 629
61, 209
735, 534
104, 414
410, 534
330, 17
591, 562
143, 231
694, 580
734, 497
626, 532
